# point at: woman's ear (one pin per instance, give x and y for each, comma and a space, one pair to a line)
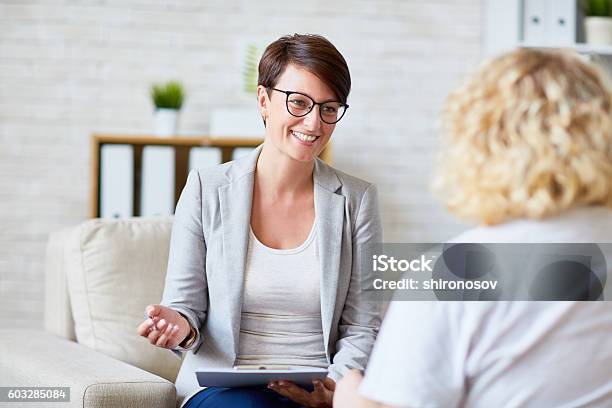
263, 102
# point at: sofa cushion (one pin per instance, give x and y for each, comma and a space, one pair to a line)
32, 357
114, 268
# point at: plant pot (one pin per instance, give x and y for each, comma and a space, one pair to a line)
598, 30
166, 122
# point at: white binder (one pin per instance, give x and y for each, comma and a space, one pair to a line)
241, 151
116, 174
235, 122
157, 188
535, 21
202, 157
502, 26
549, 22
563, 22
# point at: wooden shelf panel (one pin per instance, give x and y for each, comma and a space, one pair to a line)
192, 141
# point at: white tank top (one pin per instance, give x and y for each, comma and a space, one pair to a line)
281, 310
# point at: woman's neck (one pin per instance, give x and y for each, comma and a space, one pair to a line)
277, 174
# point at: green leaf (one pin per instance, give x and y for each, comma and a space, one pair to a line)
169, 95
597, 8
250, 70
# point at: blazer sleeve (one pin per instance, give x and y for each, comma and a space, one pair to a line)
361, 317
186, 288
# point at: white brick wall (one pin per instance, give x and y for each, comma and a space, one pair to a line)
70, 68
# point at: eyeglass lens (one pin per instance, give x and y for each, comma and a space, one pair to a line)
301, 105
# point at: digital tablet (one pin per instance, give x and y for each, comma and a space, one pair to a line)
249, 376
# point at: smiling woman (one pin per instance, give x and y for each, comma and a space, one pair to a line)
264, 259
313, 76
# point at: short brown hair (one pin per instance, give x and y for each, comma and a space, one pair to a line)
311, 52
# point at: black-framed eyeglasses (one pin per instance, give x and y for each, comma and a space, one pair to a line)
299, 104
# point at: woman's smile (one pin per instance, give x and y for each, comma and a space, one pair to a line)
304, 138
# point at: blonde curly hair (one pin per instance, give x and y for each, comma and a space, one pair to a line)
527, 136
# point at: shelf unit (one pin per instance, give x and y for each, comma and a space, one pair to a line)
505, 21
181, 146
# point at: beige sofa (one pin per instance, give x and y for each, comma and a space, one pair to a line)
99, 277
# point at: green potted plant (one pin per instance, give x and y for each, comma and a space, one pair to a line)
598, 21
168, 99
250, 71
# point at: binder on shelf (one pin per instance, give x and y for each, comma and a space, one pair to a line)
502, 26
241, 151
549, 22
157, 181
115, 195
116, 174
564, 20
202, 157
535, 21
237, 122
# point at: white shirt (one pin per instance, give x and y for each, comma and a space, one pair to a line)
281, 311
490, 354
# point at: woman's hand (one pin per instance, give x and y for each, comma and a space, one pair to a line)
322, 396
165, 327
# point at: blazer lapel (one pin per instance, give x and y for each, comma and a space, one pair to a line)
235, 200
329, 212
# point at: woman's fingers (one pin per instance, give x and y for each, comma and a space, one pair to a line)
161, 340
165, 336
292, 391
318, 386
329, 384
153, 310
321, 393
159, 331
172, 341
145, 327
154, 332
153, 336
161, 325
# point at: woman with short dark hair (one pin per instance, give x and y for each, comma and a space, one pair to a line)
263, 266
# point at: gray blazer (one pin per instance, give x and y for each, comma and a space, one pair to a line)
207, 260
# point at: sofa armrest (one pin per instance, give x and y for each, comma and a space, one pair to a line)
30, 358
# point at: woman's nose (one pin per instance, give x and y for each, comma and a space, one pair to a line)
312, 121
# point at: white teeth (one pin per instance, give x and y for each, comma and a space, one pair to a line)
303, 137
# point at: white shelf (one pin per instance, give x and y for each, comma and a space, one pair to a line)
508, 25
579, 47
